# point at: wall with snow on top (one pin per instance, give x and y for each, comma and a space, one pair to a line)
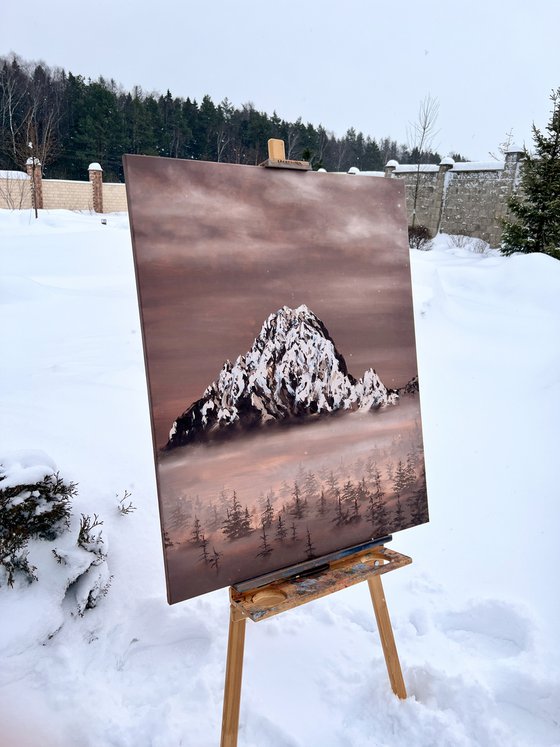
460, 198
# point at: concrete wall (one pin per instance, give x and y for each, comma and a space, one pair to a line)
460, 198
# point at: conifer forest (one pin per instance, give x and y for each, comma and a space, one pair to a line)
68, 121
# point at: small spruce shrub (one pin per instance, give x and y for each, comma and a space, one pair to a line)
30, 511
419, 237
41, 511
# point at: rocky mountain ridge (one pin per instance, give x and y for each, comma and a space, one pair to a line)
293, 371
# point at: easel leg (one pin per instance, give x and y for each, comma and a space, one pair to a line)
234, 673
386, 635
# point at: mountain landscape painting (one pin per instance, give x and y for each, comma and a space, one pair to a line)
278, 332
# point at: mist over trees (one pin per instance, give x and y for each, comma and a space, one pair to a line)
68, 121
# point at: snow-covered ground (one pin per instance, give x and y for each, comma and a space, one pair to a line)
476, 616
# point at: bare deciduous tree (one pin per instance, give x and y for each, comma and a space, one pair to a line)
503, 147
421, 134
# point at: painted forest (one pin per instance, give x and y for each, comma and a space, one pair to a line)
297, 519
68, 121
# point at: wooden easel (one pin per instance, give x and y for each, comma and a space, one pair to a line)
277, 158
269, 599
265, 601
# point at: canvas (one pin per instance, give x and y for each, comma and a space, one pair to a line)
278, 333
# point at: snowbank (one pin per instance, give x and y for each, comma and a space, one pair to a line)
475, 616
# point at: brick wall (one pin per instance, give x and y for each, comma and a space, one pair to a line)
62, 194
114, 198
15, 190
65, 194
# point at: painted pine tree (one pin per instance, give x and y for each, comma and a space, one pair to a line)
204, 555
238, 520
265, 549
298, 507
322, 504
267, 516
196, 532
309, 546
281, 531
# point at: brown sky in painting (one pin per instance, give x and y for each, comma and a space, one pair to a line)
218, 247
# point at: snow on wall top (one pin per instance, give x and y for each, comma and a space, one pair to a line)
479, 166
426, 168
407, 168
13, 175
371, 173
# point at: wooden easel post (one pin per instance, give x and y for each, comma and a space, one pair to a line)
270, 599
234, 675
387, 638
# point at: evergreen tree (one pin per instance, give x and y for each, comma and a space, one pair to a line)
377, 482
322, 504
362, 493
370, 512
281, 531
348, 493
418, 502
310, 487
355, 515
215, 520
390, 471
294, 535
264, 548
378, 513
298, 504
267, 516
238, 521
399, 479
309, 546
535, 209
332, 482
340, 516
196, 533
215, 559
247, 524
399, 515
178, 517
205, 555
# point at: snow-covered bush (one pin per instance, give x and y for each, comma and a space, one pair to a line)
35, 506
31, 506
477, 246
419, 237
40, 509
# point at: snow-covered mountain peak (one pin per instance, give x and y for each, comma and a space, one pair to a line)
292, 371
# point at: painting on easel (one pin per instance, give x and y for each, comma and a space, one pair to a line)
279, 342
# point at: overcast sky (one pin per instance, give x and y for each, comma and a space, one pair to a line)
361, 63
